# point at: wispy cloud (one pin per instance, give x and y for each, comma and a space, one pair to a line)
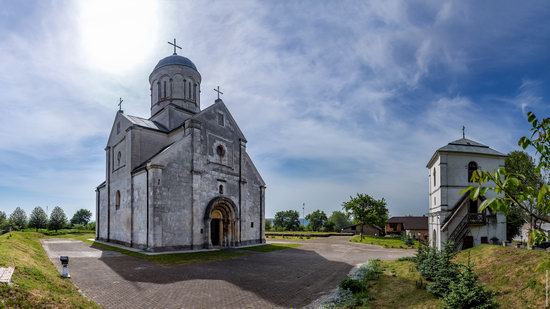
335, 98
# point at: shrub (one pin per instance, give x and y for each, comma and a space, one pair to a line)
353, 285
467, 292
437, 267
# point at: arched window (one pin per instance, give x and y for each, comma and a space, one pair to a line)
165, 93
189, 90
158, 91
434, 177
118, 157
184, 88
472, 166
117, 200
195, 92
220, 189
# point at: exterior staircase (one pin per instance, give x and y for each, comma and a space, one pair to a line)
463, 228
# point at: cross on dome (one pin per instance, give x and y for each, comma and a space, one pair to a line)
175, 45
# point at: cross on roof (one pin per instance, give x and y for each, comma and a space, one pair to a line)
218, 91
120, 104
175, 45
463, 132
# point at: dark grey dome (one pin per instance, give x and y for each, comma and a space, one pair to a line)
177, 60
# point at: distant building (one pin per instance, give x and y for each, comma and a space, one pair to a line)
416, 227
368, 229
525, 229
453, 216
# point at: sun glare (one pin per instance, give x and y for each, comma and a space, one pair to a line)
117, 35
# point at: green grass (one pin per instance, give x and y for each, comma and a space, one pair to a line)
386, 242
397, 288
178, 258
516, 275
271, 247
36, 282
290, 237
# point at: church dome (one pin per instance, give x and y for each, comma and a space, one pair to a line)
176, 60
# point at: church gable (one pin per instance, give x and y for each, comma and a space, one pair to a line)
118, 130
217, 118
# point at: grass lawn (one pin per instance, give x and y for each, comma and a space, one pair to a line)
271, 247
517, 275
36, 282
396, 288
386, 242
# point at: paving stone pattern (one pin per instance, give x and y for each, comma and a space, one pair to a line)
286, 278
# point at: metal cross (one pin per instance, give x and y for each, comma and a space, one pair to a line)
218, 91
175, 45
120, 104
463, 134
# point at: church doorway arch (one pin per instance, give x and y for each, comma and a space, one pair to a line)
221, 223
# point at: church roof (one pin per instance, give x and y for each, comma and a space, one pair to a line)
146, 123
465, 145
176, 60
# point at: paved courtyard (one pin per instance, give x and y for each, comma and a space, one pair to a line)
287, 278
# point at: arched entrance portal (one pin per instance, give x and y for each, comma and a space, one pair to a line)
221, 222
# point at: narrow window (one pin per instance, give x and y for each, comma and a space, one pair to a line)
220, 151
189, 90
221, 120
158, 91
434, 177
117, 200
252, 224
195, 92
184, 88
118, 157
220, 189
472, 166
435, 201
165, 93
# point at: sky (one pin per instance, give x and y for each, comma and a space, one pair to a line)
335, 98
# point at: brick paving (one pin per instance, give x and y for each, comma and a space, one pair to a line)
287, 278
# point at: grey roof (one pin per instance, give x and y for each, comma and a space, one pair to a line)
146, 123
469, 146
465, 145
177, 60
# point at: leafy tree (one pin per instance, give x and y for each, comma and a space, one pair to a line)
3, 219
288, 220
521, 163
515, 189
317, 220
329, 226
268, 225
38, 218
18, 219
367, 210
81, 216
58, 220
340, 220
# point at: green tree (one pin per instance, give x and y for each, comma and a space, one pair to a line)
317, 220
81, 216
287, 220
38, 218
513, 188
3, 219
18, 219
521, 163
466, 292
58, 220
367, 210
340, 220
268, 225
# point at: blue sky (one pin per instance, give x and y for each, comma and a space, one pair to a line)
335, 97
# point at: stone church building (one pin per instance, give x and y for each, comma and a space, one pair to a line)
452, 215
180, 179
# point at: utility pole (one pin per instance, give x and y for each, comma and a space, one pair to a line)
304, 209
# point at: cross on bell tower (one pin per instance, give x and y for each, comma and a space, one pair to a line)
175, 45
